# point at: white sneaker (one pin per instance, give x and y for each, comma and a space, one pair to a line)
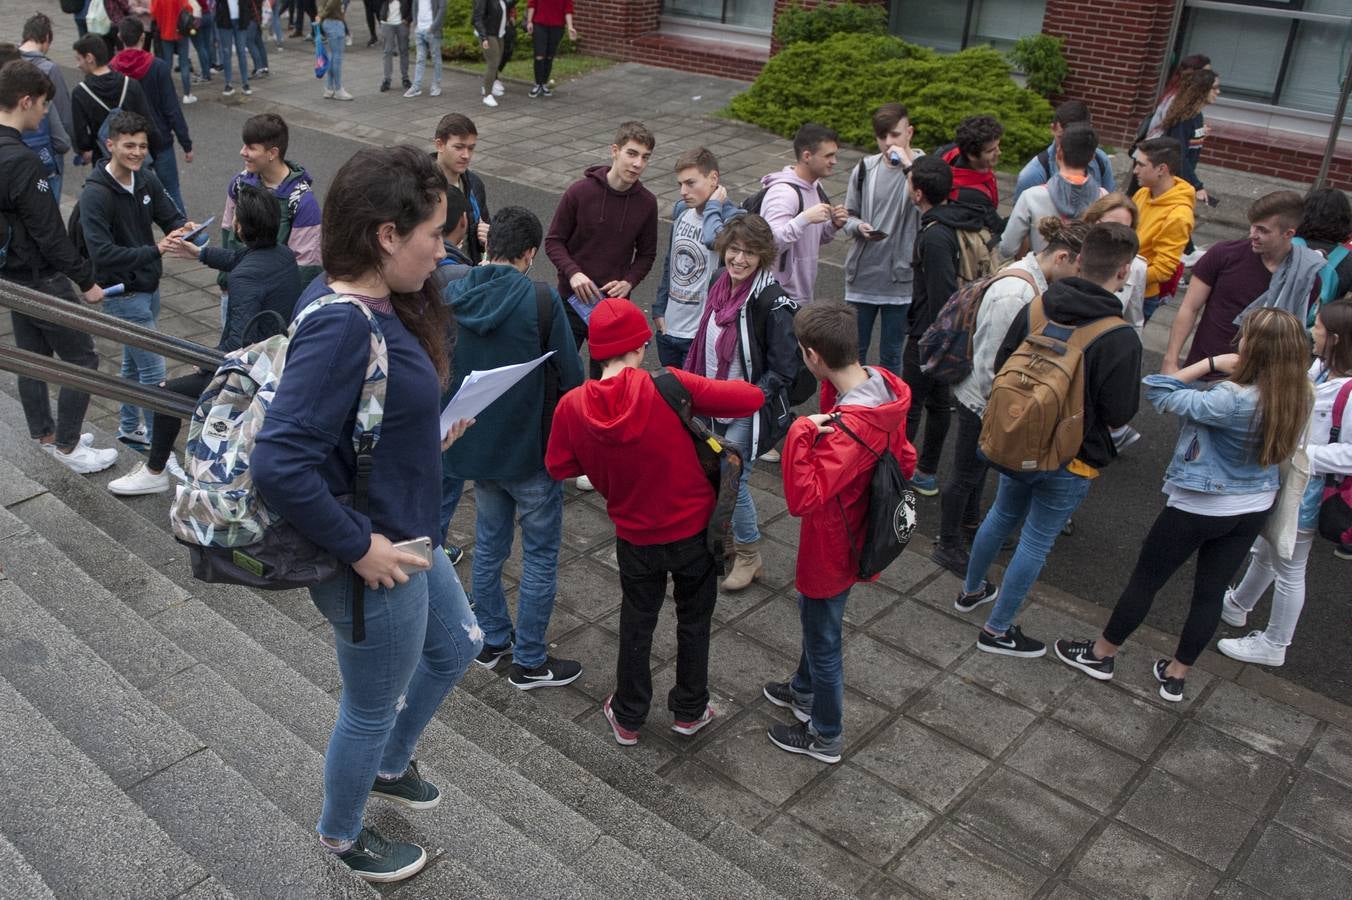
1232, 613
499, 89
328, 95
489, 100
140, 480
341, 94
584, 483
189, 99
174, 469
1191, 259
771, 455
1254, 648
436, 90
412, 92
348, 41
84, 459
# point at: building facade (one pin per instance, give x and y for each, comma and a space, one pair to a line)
1280, 61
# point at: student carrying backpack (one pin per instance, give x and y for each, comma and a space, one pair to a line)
946, 346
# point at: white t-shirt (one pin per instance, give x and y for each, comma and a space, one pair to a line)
688, 282
1201, 503
735, 371
394, 15
424, 15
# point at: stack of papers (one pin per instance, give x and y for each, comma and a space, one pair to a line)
479, 389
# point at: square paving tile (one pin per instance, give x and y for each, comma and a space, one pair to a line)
1119, 720
1333, 755
742, 753
653, 749
928, 634
1035, 683
587, 590
862, 813
910, 569
778, 624
1285, 865
1120, 864
1321, 810
1257, 721
954, 862
887, 676
780, 562
1187, 819
1223, 766
719, 794
1068, 762
741, 667
819, 854
596, 649
733, 604
867, 601
1026, 818
921, 762
971, 715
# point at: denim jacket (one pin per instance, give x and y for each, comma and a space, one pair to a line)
1217, 448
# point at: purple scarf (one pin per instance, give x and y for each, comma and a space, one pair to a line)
725, 302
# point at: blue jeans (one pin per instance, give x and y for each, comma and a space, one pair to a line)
893, 336
537, 503
239, 38
1152, 304
167, 51
745, 528
166, 167
205, 42
420, 639
277, 12
428, 44
258, 50
335, 34
671, 351
138, 365
821, 672
452, 487
1044, 501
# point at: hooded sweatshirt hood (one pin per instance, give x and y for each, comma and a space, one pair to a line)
614, 207
1076, 301
132, 63
956, 214
489, 296
967, 178
1070, 199
798, 241
1179, 194
616, 410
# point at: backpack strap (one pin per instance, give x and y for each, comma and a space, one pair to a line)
839, 421
671, 390
1044, 160
95, 97
544, 314
122, 99
1081, 336
1339, 410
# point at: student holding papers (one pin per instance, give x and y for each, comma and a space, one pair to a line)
499, 322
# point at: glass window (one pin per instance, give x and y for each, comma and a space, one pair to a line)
695, 9
1245, 50
1002, 22
937, 25
757, 14
954, 24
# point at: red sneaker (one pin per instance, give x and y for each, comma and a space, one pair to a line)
623, 736
691, 727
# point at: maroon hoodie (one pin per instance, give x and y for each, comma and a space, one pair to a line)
608, 234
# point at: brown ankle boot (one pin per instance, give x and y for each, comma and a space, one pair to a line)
747, 567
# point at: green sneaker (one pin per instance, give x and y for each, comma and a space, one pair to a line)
408, 789
373, 858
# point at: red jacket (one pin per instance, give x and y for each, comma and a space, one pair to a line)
826, 480
550, 12
622, 435
964, 178
165, 13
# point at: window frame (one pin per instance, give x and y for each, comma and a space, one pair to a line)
968, 16
720, 22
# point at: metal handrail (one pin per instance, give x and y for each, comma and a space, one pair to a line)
37, 305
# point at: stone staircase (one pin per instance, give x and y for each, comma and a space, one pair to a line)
165, 738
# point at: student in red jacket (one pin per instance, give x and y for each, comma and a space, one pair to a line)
826, 478
619, 432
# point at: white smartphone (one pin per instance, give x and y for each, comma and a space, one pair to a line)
420, 547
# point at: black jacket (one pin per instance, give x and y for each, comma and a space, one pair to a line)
246, 14
38, 247
936, 261
117, 227
478, 202
261, 280
487, 18
405, 11
166, 113
768, 351
1112, 364
89, 115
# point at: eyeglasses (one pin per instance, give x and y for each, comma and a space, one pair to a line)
741, 251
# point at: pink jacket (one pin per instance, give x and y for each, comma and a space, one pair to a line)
799, 242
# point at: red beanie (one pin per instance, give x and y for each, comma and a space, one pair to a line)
616, 326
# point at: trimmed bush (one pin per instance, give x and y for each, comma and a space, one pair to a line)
458, 40
840, 81
1039, 57
797, 24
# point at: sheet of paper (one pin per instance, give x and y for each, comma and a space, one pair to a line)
480, 388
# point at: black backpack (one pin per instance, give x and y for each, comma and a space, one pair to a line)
722, 465
891, 516
754, 203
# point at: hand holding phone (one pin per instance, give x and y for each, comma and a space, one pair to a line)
200, 230
420, 547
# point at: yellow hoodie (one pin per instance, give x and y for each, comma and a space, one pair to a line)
1164, 227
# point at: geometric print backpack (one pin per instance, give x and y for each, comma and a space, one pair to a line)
232, 535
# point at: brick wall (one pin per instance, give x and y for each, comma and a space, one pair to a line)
607, 27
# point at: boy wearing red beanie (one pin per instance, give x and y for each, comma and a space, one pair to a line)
620, 433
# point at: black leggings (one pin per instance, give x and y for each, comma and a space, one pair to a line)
164, 429
927, 396
961, 501
1220, 542
546, 40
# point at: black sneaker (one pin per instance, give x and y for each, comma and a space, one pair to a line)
799, 739
954, 559
550, 673
454, 553
1013, 643
374, 858
546, 91
535, 91
408, 790
407, 84
1171, 688
968, 602
1343, 551
384, 86
1080, 655
488, 657
780, 694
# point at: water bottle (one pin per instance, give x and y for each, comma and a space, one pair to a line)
113, 290
894, 157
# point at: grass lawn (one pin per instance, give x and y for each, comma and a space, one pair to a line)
565, 67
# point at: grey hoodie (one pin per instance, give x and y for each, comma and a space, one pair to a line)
880, 271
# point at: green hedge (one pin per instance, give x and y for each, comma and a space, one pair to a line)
458, 40
797, 24
840, 81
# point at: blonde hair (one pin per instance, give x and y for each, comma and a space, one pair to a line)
1109, 202
1275, 357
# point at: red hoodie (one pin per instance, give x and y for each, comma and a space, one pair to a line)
826, 480
132, 63
621, 434
964, 177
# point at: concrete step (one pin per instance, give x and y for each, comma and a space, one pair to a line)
76, 828
22, 881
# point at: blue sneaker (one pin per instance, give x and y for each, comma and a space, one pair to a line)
925, 485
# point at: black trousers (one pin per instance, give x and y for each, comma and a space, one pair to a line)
1221, 544
72, 346
579, 329
927, 395
643, 579
960, 503
164, 429
546, 43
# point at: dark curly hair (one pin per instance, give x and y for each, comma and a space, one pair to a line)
975, 132
1327, 216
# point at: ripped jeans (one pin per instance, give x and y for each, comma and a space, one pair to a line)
420, 638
